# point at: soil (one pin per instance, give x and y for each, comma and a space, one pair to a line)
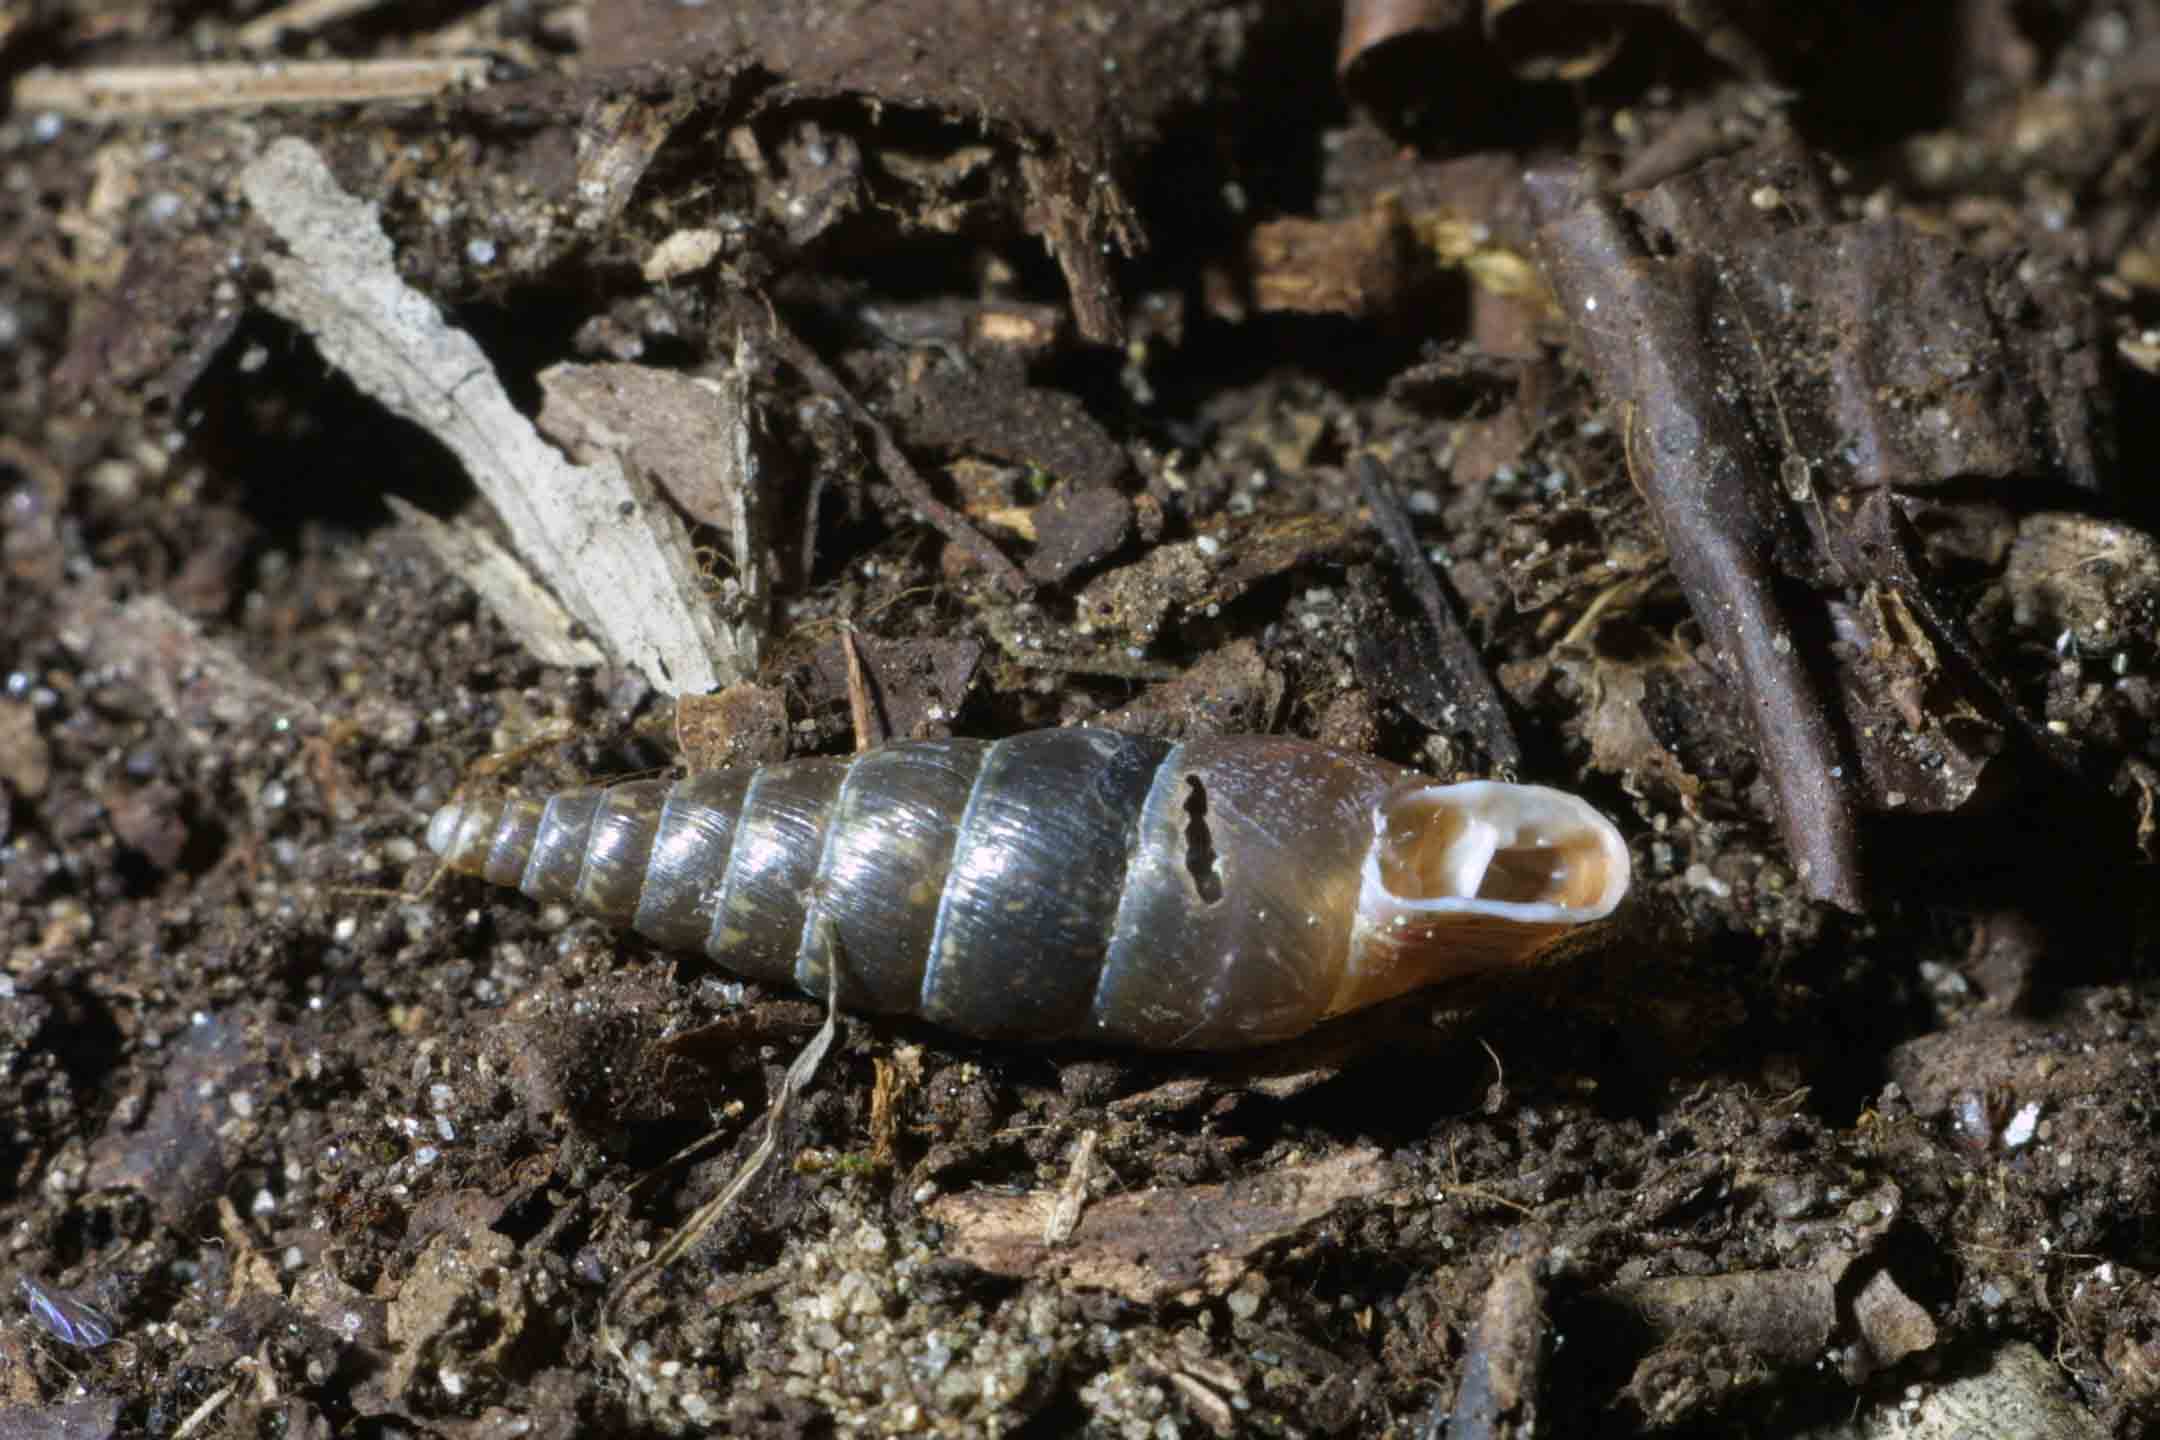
1130, 364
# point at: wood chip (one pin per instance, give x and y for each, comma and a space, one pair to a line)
535, 618
691, 434
1177, 1244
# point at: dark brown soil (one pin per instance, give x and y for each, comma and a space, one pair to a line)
1772, 401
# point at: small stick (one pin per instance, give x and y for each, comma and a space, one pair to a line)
202, 1414
870, 728
1484, 713
101, 91
1639, 322
1503, 1367
1072, 1195
895, 465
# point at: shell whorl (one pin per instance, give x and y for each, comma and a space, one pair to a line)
1070, 884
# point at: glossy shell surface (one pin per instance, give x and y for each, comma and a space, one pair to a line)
1069, 884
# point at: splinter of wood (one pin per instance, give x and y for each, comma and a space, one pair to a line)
891, 460
1484, 714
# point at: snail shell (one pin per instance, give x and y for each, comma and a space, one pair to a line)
1071, 884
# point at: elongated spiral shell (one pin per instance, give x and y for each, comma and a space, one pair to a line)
1071, 884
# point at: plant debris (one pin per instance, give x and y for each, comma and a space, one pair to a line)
1156, 1245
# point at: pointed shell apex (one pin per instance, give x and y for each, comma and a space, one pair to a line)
442, 827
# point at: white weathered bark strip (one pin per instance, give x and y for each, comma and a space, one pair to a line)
618, 558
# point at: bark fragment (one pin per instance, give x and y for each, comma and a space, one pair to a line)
1505, 1366
692, 436
1172, 1244
915, 686
1456, 691
1223, 693
891, 459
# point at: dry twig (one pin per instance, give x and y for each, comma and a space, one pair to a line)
1693, 458
297, 17
107, 91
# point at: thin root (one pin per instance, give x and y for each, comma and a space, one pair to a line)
798, 1078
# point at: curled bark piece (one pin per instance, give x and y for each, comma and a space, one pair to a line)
1544, 40
1067, 126
1564, 41
1641, 322
1370, 23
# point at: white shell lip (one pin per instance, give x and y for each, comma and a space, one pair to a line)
442, 828
1528, 829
